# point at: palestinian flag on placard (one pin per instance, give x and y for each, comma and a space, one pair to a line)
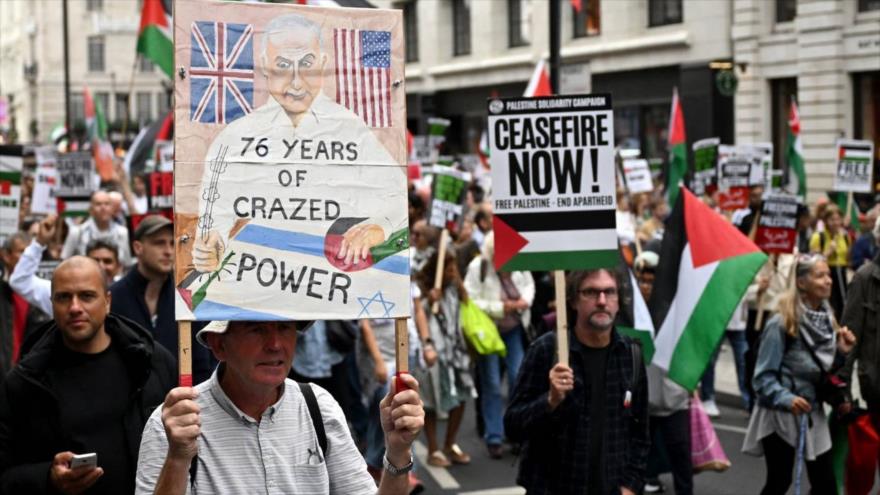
677, 149
707, 266
396, 242
154, 36
73, 207
642, 328
794, 154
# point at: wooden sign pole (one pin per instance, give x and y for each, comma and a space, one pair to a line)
401, 351
184, 353
759, 319
438, 275
847, 219
561, 318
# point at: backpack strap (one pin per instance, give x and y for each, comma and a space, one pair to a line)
315, 413
636, 349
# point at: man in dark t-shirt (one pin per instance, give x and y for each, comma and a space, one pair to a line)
585, 424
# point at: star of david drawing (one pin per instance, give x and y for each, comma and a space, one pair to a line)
377, 298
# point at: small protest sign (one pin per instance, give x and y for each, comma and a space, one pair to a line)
777, 226
855, 166
161, 187
553, 180
45, 185
448, 192
734, 175
638, 176
705, 162
75, 172
46, 268
423, 151
764, 157
292, 206
11, 163
165, 156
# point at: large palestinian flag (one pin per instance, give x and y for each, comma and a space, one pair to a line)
707, 264
677, 149
642, 327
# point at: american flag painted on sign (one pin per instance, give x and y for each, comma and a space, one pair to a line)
363, 74
221, 72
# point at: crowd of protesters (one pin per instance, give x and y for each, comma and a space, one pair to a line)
601, 421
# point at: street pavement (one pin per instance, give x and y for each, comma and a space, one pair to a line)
485, 476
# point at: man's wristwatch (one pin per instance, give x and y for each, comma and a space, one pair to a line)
396, 471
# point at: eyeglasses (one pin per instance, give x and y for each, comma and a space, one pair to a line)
593, 294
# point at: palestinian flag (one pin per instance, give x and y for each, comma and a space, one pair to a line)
794, 154
642, 328
539, 84
396, 242
677, 150
707, 264
154, 36
96, 129
73, 207
144, 145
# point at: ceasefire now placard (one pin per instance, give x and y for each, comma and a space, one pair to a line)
553, 182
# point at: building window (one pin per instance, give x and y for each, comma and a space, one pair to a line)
410, 30
866, 103
586, 22
519, 22
461, 22
96, 54
144, 107
102, 99
162, 98
866, 5
95, 5
786, 10
77, 109
643, 127
145, 64
121, 107
662, 12
782, 93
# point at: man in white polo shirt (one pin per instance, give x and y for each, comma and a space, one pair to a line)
249, 429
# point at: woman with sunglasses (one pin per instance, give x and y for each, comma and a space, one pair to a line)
799, 347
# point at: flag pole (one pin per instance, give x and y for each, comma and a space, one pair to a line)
401, 351
561, 318
67, 122
137, 57
184, 353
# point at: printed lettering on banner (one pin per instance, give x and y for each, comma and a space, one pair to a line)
777, 226
75, 172
855, 166
448, 192
638, 176
290, 199
553, 181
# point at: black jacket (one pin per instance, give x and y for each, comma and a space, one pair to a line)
862, 316
128, 301
556, 450
31, 431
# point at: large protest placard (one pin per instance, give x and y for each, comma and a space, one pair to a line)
553, 180
855, 166
637, 175
448, 192
290, 163
11, 163
705, 161
777, 225
76, 182
734, 175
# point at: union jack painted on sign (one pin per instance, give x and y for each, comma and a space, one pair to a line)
221, 72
